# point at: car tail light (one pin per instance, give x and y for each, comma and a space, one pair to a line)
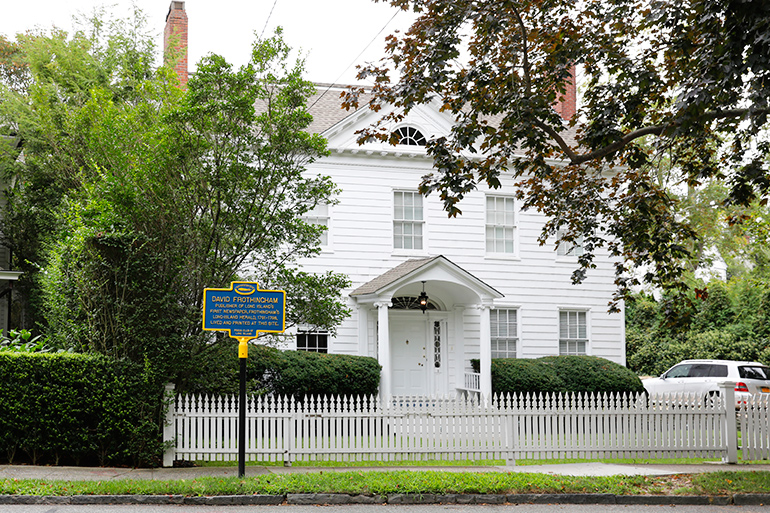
741, 387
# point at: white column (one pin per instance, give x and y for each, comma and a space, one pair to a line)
383, 347
363, 331
459, 347
485, 353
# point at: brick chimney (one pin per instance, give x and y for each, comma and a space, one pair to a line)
567, 104
176, 27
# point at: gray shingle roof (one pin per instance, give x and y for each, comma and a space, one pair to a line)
326, 108
392, 275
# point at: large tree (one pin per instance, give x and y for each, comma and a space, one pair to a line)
688, 80
161, 193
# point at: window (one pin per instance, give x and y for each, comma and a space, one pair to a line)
407, 220
315, 341
500, 225
409, 136
569, 248
319, 215
504, 333
573, 332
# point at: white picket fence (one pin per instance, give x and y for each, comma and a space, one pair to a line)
413, 429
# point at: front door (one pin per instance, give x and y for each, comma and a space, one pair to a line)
409, 351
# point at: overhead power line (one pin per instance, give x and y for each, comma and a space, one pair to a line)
355, 59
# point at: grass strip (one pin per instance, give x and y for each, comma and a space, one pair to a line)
381, 483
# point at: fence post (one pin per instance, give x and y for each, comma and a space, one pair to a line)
169, 426
727, 392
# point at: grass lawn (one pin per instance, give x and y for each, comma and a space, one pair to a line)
381, 483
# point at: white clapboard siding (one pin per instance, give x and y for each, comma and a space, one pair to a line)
417, 428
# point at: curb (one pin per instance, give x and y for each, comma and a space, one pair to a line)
740, 499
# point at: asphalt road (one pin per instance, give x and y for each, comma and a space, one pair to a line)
391, 508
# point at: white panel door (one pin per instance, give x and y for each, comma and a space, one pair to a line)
409, 350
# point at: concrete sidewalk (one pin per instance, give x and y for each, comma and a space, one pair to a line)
569, 469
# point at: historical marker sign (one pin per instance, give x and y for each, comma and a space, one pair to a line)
244, 310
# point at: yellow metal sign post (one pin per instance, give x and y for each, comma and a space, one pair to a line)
244, 311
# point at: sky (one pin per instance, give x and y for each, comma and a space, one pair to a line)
331, 33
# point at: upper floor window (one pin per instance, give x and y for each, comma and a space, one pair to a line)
319, 215
315, 341
573, 332
504, 332
407, 220
569, 248
409, 136
501, 225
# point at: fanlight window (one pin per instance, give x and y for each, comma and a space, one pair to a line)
409, 136
410, 303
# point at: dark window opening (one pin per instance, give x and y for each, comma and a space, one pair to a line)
315, 341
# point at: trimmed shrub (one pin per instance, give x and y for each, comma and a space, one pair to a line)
522, 375
560, 374
76, 408
295, 373
303, 373
593, 374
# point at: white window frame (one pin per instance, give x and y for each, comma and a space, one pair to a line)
567, 250
501, 233
509, 335
569, 337
399, 223
412, 133
312, 333
321, 217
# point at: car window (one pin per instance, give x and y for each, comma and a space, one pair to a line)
718, 371
754, 372
699, 370
679, 371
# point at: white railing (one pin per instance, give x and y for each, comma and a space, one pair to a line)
473, 381
411, 429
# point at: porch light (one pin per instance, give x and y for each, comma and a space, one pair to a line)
423, 299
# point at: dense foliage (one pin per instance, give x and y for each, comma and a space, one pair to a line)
288, 373
728, 321
561, 374
134, 195
79, 409
686, 81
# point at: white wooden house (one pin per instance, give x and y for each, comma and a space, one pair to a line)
493, 290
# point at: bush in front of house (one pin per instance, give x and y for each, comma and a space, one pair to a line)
560, 374
593, 374
76, 409
520, 375
303, 373
271, 371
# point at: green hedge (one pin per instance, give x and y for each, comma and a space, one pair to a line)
301, 373
294, 373
78, 409
561, 374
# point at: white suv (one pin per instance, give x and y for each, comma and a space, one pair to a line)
703, 376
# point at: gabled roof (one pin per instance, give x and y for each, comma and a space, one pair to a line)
385, 279
412, 269
326, 108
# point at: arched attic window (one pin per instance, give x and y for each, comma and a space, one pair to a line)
409, 136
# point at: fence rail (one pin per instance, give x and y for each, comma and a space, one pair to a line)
504, 428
